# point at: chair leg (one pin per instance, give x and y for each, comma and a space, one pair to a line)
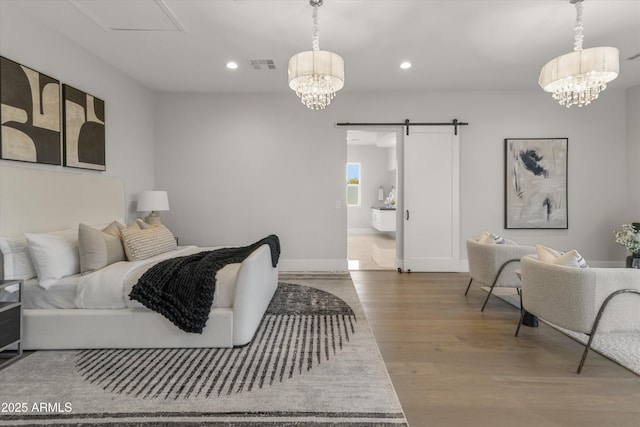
523, 312
468, 286
520, 322
584, 354
488, 296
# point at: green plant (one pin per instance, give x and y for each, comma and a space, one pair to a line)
629, 238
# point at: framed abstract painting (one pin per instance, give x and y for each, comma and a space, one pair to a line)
84, 130
536, 183
30, 114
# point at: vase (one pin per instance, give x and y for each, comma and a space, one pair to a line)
633, 261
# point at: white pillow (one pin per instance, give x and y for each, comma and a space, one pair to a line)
570, 258
488, 237
54, 255
16, 259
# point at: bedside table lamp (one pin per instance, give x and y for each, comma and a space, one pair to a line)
153, 201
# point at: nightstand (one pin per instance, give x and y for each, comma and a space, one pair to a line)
10, 320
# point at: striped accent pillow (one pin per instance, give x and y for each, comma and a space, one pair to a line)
488, 237
143, 244
570, 258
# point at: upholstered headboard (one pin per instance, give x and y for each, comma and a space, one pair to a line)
37, 200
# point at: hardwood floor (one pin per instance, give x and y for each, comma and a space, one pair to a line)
453, 365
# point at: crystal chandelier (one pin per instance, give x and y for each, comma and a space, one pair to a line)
577, 78
316, 75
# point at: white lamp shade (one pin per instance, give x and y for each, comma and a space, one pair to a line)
316, 62
604, 61
153, 201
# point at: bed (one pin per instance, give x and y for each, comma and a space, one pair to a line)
43, 201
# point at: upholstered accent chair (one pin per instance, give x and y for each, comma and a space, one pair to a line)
492, 264
585, 300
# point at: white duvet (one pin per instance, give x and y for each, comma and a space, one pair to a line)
109, 287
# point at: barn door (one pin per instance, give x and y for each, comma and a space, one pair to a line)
431, 200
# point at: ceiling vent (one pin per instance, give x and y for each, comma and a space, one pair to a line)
262, 64
119, 15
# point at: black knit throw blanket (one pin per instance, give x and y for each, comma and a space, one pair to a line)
182, 288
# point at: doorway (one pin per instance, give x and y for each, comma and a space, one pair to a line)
372, 183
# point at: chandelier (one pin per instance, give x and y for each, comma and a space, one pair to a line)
316, 75
577, 78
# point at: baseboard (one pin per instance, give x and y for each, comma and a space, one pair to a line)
607, 264
464, 264
313, 265
341, 264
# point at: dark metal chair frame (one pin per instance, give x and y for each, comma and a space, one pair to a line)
495, 280
596, 322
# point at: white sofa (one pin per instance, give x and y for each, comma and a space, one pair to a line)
494, 265
586, 300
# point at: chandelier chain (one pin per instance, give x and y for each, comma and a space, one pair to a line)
579, 36
315, 31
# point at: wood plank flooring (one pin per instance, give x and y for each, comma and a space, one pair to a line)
453, 365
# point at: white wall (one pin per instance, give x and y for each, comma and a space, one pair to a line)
239, 166
129, 120
374, 173
633, 154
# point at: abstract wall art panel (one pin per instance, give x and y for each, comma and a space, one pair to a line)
29, 114
536, 183
84, 135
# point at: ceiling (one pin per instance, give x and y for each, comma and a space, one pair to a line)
183, 45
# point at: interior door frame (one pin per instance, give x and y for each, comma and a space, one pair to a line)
399, 131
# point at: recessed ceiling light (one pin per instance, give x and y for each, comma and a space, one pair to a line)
232, 65
405, 65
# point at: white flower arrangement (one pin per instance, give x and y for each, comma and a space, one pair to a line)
629, 238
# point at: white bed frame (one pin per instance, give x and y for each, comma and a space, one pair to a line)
37, 200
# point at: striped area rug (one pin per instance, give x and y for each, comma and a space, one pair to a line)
313, 362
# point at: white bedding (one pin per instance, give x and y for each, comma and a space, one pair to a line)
61, 294
109, 287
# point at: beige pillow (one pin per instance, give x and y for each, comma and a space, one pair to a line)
570, 258
143, 244
99, 248
547, 254
143, 225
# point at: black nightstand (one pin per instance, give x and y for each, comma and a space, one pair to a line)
10, 320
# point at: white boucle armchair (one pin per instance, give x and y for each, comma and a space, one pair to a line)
583, 300
494, 265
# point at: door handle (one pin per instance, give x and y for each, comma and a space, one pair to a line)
407, 214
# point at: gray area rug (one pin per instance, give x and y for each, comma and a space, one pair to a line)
622, 348
313, 362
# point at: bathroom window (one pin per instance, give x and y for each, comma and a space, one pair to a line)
353, 184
